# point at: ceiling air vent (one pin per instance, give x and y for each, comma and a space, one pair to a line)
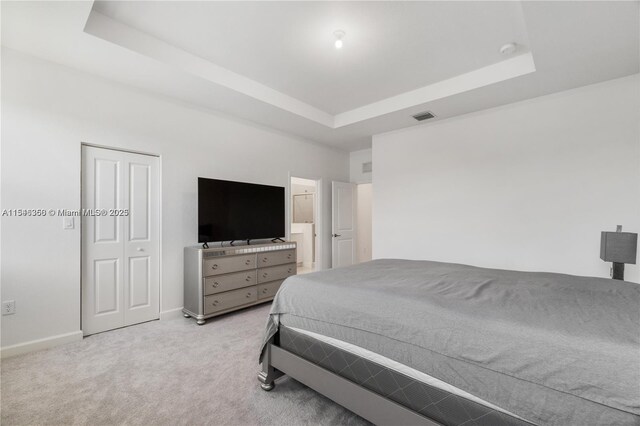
424, 116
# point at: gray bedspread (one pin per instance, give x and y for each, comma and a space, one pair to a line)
553, 349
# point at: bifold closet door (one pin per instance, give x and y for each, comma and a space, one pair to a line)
120, 239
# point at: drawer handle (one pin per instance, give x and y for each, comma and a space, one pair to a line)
248, 295
264, 260
215, 285
289, 256
215, 266
215, 303
289, 270
264, 290
248, 261
264, 275
248, 278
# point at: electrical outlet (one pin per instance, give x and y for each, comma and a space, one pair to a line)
9, 307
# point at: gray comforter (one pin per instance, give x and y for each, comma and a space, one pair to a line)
551, 348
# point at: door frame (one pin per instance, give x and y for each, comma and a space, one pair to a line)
159, 157
318, 214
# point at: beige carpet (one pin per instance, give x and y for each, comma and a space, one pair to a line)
162, 372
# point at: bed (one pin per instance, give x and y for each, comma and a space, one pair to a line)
419, 342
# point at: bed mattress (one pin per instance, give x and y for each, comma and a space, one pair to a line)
411, 388
550, 348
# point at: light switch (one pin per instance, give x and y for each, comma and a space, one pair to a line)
68, 222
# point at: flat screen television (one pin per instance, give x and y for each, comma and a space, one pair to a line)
239, 211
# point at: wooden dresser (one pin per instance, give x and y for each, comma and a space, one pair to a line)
221, 280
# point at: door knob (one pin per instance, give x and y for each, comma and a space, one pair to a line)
140, 249
336, 235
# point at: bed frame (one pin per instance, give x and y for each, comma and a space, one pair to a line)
375, 408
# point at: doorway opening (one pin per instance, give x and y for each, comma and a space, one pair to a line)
304, 222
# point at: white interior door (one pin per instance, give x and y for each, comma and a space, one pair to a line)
121, 245
343, 229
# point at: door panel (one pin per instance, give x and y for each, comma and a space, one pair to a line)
345, 252
343, 224
139, 191
102, 270
139, 282
120, 266
107, 284
141, 248
107, 196
344, 211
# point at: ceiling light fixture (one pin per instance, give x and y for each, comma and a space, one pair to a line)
339, 34
508, 49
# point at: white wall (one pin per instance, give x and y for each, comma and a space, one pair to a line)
526, 186
356, 158
47, 111
363, 215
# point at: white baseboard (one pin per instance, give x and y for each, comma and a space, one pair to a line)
37, 345
171, 314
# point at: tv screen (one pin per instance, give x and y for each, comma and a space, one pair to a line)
239, 211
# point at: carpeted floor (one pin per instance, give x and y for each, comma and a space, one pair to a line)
162, 372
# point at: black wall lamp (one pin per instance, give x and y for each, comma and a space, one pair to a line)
620, 248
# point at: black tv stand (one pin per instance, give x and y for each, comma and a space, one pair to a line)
233, 241
277, 239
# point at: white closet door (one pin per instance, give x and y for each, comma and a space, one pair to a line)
141, 240
343, 202
120, 249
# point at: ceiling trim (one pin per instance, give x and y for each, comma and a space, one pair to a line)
495, 73
106, 28
123, 35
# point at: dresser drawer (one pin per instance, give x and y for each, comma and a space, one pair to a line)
276, 273
225, 265
276, 258
268, 290
220, 283
230, 299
